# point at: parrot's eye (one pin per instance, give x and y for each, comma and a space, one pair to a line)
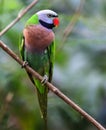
50, 15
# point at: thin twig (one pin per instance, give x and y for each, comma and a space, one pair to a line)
71, 25
5, 106
73, 21
53, 88
20, 15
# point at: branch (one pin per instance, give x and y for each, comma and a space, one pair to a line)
52, 88
5, 105
71, 25
20, 15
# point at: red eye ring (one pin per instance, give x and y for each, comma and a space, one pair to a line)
56, 21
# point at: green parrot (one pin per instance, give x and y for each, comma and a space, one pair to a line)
37, 49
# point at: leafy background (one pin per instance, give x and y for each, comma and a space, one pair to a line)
80, 68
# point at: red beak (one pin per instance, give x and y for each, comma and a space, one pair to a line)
56, 22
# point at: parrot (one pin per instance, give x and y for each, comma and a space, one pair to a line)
37, 49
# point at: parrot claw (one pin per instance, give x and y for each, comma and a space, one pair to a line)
25, 63
44, 80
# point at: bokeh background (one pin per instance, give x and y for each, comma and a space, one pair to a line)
80, 67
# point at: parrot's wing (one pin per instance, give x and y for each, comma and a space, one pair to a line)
51, 55
22, 49
23, 56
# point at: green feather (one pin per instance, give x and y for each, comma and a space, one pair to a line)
21, 48
32, 20
51, 54
40, 63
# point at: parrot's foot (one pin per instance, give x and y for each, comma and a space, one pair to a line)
25, 63
44, 80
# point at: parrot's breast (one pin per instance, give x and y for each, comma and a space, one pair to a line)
37, 38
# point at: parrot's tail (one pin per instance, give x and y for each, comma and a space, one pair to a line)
42, 97
42, 92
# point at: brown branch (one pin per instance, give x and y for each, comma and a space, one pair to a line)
53, 88
20, 15
71, 25
5, 105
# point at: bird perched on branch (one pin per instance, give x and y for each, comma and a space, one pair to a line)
37, 49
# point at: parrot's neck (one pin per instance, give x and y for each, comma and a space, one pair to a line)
47, 25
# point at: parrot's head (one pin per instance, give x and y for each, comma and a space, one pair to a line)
48, 18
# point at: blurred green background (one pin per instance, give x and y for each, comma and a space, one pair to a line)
80, 67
